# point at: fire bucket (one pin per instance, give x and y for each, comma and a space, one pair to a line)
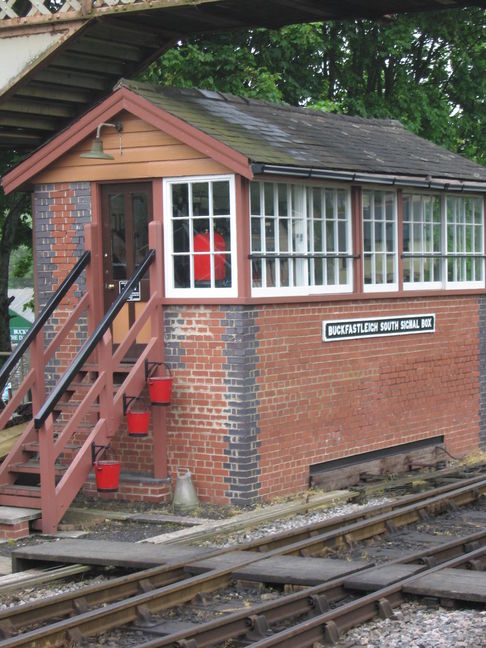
107, 476
138, 423
160, 388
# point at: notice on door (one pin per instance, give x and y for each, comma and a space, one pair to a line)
352, 329
135, 295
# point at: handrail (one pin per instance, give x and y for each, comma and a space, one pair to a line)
46, 312
91, 343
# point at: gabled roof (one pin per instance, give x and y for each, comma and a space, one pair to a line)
282, 135
253, 137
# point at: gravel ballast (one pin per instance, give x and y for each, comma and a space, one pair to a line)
415, 625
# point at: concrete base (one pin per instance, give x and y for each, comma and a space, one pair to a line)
15, 522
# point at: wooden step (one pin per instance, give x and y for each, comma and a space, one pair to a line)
70, 406
125, 368
18, 490
33, 468
33, 446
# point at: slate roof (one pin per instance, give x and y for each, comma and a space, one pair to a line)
283, 135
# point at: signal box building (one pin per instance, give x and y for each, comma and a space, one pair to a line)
315, 285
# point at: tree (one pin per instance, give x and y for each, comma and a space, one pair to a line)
15, 230
427, 70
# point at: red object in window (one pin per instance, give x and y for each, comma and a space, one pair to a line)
202, 262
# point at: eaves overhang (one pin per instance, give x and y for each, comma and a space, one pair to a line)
425, 182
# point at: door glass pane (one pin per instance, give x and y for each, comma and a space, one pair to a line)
118, 248
140, 226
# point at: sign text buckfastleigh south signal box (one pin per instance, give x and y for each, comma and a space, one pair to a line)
333, 330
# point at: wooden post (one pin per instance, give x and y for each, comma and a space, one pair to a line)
159, 424
48, 477
37, 362
105, 364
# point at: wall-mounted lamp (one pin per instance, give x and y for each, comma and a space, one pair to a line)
97, 152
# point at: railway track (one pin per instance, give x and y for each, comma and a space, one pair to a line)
135, 598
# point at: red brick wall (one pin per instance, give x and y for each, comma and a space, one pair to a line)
322, 401
197, 418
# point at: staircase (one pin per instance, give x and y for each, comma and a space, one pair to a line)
52, 459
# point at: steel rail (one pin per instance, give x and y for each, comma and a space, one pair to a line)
329, 626
31, 578
308, 601
313, 530
155, 598
73, 602
327, 531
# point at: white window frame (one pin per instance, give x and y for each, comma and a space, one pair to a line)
297, 238
374, 286
446, 255
197, 292
478, 254
415, 252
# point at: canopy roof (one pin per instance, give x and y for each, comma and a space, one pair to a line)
64, 56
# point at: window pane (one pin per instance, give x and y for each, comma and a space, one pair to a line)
256, 237
182, 271
180, 200
282, 200
255, 198
284, 272
283, 237
256, 273
270, 272
269, 199
222, 227
270, 235
200, 199
221, 199
180, 230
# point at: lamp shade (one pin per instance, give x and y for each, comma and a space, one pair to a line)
97, 152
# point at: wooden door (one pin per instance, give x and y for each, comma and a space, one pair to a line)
126, 213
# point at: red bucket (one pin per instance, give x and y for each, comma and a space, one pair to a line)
160, 390
138, 423
107, 475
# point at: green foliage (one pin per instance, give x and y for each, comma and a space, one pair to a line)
15, 231
426, 70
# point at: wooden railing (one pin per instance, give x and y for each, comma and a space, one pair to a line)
34, 341
104, 360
